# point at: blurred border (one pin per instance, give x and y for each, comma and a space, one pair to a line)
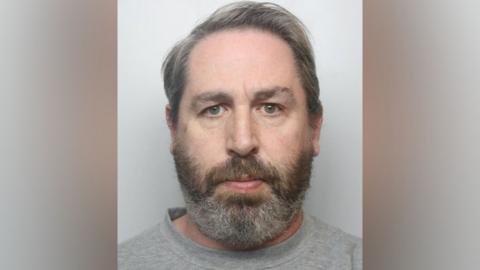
421, 135
58, 134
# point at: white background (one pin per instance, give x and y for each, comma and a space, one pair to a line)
147, 182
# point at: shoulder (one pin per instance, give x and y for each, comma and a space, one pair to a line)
339, 245
332, 236
144, 250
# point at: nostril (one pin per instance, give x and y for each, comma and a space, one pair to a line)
244, 144
242, 154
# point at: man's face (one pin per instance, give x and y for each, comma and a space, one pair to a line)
243, 143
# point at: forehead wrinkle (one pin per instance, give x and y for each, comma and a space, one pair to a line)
217, 96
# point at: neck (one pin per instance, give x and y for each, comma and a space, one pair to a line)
189, 229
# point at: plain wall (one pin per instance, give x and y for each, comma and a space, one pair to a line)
147, 182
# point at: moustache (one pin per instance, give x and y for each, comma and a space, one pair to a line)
237, 168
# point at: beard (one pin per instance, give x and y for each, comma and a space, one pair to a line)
243, 220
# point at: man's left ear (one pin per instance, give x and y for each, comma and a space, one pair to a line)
317, 126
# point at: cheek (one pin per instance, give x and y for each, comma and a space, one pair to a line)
204, 146
284, 144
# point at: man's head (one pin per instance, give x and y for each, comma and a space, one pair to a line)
245, 118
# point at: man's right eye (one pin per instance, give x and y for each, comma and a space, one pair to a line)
214, 111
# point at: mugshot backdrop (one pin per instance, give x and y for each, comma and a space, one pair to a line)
147, 182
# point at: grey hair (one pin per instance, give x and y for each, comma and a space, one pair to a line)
245, 14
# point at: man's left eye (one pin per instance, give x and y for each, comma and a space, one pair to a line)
271, 108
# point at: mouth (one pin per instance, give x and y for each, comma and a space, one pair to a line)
243, 185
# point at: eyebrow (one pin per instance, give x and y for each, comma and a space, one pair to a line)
218, 96
264, 94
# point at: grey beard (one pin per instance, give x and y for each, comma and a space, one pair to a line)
243, 227
242, 221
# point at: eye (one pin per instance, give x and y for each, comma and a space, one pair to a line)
271, 108
214, 111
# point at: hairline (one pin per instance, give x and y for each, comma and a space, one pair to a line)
288, 28
243, 28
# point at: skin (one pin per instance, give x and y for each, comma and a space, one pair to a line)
243, 97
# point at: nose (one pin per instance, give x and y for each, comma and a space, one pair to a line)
241, 138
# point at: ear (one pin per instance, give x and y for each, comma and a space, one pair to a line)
171, 126
317, 126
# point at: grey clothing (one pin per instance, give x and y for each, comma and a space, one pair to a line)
315, 245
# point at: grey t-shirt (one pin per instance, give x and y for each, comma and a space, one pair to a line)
315, 245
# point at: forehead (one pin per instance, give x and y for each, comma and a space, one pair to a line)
243, 59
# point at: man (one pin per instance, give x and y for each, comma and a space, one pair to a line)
244, 117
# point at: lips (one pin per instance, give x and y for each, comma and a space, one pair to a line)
244, 184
